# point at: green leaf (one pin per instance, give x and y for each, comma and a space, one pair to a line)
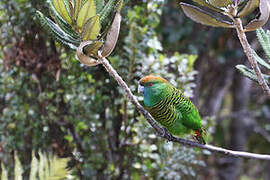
200, 16
106, 12
88, 10
18, 167
4, 174
220, 3
62, 23
41, 173
91, 28
57, 32
62, 8
250, 73
92, 49
34, 167
264, 40
249, 7
77, 7
263, 18
99, 5
260, 60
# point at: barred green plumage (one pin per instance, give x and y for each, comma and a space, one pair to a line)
171, 108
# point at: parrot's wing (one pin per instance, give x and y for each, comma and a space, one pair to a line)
189, 115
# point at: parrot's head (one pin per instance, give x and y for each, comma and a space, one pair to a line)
153, 89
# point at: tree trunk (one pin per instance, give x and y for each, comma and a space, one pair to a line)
230, 168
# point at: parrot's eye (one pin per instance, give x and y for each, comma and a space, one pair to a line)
150, 84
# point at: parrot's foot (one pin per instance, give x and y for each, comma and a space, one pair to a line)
166, 134
198, 139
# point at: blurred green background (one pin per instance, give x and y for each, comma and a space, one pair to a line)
51, 102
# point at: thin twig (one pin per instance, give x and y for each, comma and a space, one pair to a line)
162, 132
248, 51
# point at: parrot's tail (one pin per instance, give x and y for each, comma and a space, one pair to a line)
201, 136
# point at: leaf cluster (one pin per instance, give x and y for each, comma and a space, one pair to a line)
224, 9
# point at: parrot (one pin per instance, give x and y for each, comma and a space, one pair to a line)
170, 108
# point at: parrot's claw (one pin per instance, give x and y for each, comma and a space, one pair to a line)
166, 134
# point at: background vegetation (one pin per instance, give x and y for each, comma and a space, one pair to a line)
49, 101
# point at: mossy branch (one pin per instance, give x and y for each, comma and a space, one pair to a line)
162, 132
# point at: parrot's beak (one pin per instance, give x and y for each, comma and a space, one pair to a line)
140, 89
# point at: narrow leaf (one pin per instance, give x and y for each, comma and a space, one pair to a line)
91, 28
41, 174
56, 32
88, 10
264, 40
249, 7
106, 12
200, 16
99, 5
62, 23
250, 73
4, 175
84, 59
77, 7
263, 18
18, 168
112, 36
62, 9
260, 60
34, 167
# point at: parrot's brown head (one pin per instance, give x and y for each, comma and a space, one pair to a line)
153, 89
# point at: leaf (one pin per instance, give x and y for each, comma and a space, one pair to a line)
57, 32
84, 59
91, 28
99, 5
58, 168
4, 174
34, 167
62, 23
62, 9
250, 73
220, 3
204, 3
77, 7
41, 173
250, 6
260, 60
93, 48
264, 39
263, 18
112, 36
106, 12
18, 168
88, 10
200, 16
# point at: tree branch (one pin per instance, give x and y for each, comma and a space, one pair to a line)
162, 132
248, 51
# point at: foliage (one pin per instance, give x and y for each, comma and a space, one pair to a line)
46, 168
230, 8
78, 21
83, 115
264, 39
50, 101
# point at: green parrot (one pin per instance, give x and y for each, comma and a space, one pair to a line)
171, 108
